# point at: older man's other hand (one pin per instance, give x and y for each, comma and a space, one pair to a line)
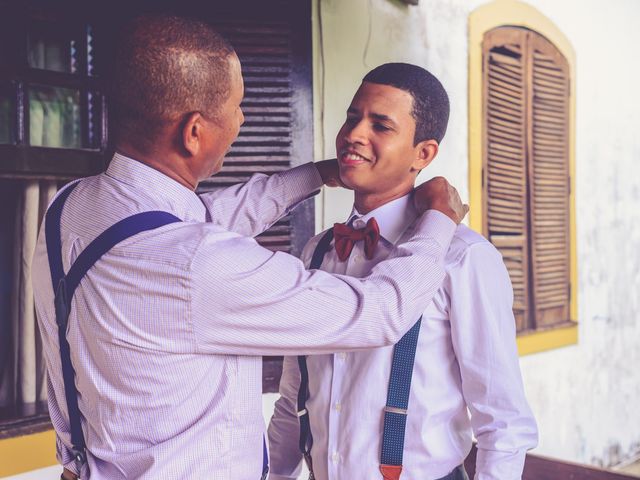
439, 194
330, 172
68, 475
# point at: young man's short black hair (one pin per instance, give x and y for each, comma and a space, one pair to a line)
430, 100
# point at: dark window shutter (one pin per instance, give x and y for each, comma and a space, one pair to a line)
264, 144
505, 169
549, 182
526, 170
273, 41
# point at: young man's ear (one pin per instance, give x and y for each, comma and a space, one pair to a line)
192, 130
426, 151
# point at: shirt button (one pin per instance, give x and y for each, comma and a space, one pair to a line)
338, 406
335, 457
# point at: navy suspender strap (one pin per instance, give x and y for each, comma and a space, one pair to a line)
54, 252
64, 287
265, 460
324, 245
395, 412
306, 439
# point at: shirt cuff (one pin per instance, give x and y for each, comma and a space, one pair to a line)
492, 464
301, 183
438, 227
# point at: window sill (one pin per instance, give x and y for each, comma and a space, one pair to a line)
541, 341
27, 452
19, 161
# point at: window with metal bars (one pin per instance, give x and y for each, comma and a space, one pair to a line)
52, 114
54, 127
526, 171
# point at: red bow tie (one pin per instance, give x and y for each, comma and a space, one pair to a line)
346, 236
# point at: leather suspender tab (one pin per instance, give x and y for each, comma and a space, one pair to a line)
391, 472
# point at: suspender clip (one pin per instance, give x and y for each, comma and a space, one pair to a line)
80, 459
309, 462
302, 412
399, 411
61, 304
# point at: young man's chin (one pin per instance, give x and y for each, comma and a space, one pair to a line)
350, 182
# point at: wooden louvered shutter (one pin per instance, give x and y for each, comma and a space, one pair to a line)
526, 170
273, 41
265, 141
505, 166
549, 181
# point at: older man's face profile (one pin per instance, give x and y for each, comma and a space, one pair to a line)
375, 146
223, 130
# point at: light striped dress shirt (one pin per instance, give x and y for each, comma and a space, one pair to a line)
167, 329
466, 358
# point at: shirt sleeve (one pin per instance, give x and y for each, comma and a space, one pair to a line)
284, 428
64, 455
251, 208
483, 334
246, 300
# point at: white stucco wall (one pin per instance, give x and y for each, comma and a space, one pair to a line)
358, 35
585, 396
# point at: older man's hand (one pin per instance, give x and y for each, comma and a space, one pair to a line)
439, 194
68, 475
329, 172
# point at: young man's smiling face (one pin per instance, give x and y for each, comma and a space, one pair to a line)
375, 146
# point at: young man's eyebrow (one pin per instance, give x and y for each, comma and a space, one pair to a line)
376, 116
381, 117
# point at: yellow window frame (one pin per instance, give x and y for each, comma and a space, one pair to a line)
514, 13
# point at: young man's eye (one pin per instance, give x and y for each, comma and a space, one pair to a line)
380, 127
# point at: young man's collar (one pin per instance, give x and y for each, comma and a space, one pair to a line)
393, 217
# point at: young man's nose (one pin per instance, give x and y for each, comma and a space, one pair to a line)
357, 133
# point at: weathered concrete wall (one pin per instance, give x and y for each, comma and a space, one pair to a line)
358, 35
585, 396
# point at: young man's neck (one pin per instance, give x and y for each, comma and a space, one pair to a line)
366, 202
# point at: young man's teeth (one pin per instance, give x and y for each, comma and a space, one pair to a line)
354, 157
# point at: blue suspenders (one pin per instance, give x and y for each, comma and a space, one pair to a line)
395, 412
64, 287
306, 439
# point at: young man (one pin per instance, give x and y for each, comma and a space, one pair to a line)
351, 418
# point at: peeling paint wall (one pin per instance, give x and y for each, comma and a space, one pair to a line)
596, 385
358, 35
585, 396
